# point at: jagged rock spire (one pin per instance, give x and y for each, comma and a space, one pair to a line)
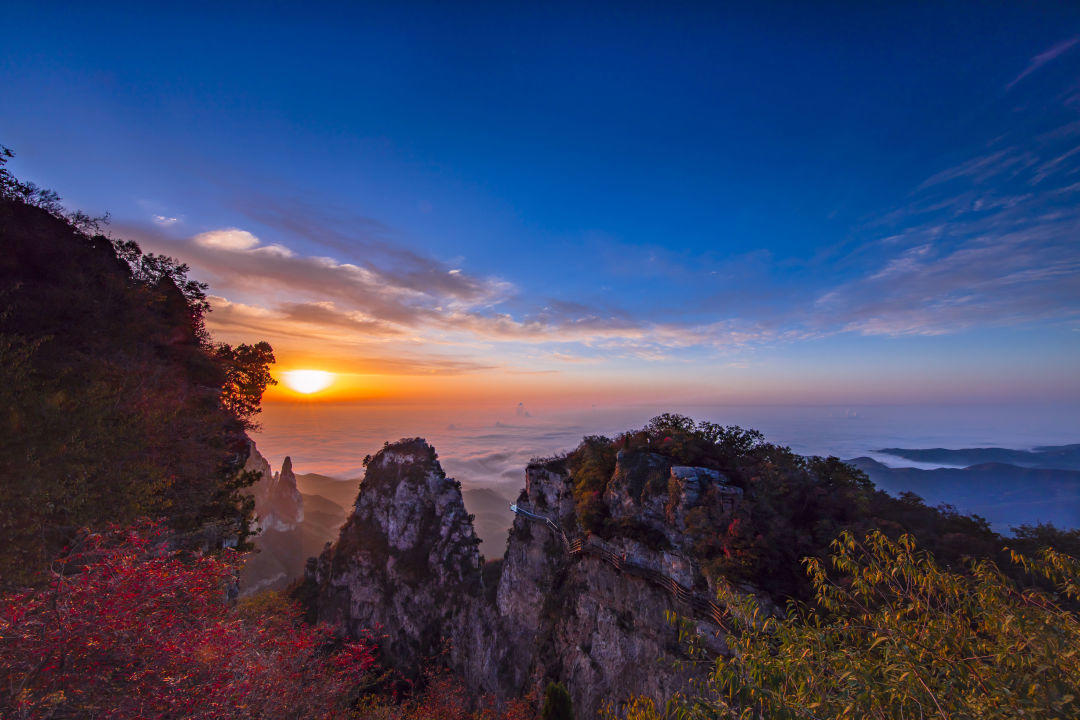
406, 560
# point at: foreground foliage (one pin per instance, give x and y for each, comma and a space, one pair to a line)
895, 636
131, 629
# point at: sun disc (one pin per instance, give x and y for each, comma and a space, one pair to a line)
307, 382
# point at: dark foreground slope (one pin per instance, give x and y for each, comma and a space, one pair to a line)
114, 400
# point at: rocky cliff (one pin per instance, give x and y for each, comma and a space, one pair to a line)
593, 612
406, 565
288, 533
278, 504
589, 611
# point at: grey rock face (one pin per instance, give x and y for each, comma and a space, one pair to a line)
258, 464
278, 503
407, 561
603, 633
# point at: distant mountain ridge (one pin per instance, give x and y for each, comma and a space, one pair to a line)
1056, 457
341, 492
1006, 495
491, 517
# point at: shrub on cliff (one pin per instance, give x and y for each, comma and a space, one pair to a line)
557, 704
131, 629
895, 635
445, 697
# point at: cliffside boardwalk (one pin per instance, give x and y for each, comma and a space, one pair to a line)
579, 546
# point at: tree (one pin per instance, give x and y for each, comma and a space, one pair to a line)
159, 271
247, 375
557, 704
129, 628
12, 188
898, 636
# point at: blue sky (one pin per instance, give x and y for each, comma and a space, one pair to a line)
858, 203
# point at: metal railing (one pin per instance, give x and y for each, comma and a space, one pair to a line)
518, 510
701, 605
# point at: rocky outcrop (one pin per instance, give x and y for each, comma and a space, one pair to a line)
289, 532
407, 564
604, 633
278, 503
590, 612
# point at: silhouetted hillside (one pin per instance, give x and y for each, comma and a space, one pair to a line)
115, 403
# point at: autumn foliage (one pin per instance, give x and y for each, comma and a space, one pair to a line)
131, 629
893, 635
444, 697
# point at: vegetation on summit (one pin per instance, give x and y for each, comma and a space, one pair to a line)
794, 506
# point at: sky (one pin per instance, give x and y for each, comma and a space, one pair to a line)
562, 205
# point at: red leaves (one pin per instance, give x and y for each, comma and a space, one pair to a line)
446, 698
131, 629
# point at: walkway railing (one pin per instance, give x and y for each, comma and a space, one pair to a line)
701, 605
540, 518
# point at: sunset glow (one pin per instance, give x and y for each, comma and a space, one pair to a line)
403, 260
307, 382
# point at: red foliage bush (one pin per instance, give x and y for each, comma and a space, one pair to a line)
129, 628
446, 698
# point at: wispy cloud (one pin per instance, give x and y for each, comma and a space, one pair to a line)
1044, 57
399, 303
988, 279
991, 241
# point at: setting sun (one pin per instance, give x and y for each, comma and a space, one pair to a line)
307, 382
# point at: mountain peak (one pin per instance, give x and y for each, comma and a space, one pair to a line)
406, 560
